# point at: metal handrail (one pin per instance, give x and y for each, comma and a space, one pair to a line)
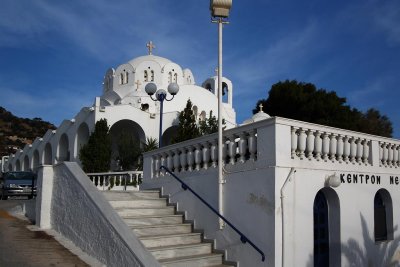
243, 238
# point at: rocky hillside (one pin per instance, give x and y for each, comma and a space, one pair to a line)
16, 132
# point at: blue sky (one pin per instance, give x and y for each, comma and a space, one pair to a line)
54, 54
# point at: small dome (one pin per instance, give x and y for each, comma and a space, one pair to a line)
260, 115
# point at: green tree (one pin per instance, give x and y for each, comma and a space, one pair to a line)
96, 154
129, 151
303, 101
151, 144
188, 128
208, 125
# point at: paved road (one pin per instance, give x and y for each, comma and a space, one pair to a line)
20, 247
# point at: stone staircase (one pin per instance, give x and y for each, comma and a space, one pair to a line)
163, 232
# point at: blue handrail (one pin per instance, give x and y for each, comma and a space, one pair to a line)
243, 238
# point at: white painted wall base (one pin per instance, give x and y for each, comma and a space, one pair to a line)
79, 212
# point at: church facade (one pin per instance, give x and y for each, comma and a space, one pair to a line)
302, 194
127, 107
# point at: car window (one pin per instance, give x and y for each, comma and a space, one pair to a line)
19, 176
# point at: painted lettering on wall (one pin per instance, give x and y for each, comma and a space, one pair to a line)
394, 180
357, 178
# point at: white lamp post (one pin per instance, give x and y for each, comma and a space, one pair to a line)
161, 95
219, 13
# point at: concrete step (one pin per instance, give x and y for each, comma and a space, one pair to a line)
163, 229
126, 195
139, 203
180, 251
125, 212
153, 220
168, 240
211, 259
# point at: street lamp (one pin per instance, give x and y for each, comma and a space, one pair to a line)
161, 95
219, 13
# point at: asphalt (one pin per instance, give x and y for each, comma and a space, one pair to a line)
22, 245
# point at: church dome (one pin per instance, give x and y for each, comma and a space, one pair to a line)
160, 60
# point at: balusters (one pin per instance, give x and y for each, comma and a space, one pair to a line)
163, 162
390, 155
385, 154
183, 159
318, 145
232, 149
332, 147
214, 153
339, 150
170, 160
293, 132
197, 156
310, 144
177, 162
397, 156
156, 170
346, 149
242, 147
190, 158
359, 150
365, 156
353, 150
325, 146
302, 143
253, 144
206, 155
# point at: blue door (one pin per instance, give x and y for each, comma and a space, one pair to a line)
321, 231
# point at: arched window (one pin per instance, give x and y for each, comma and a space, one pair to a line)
327, 245
146, 76
121, 78
383, 216
126, 77
321, 231
170, 77
175, 77
152, 75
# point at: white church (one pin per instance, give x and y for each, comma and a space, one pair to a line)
297, 193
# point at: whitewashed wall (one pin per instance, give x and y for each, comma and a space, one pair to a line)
259, 179
81, 214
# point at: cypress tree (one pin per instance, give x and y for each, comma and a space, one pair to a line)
96, 154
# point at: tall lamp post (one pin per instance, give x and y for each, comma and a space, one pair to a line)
161, 95
219, 14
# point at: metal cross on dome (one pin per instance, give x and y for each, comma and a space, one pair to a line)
150, 47
261, 107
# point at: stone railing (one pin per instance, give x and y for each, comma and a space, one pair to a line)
389, 154
116, 180
240, 145
327, 145
278, 142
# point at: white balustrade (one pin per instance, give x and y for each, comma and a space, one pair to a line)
389, 154
128, 180
316, 145
322, 144
238, 148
